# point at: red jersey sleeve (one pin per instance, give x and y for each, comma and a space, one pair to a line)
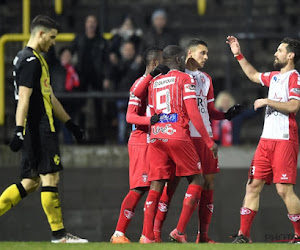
265, 78
188, 87
294, 86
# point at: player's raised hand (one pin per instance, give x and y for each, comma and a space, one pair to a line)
234, 45
78, 132
234, 111
160, 69
214, 149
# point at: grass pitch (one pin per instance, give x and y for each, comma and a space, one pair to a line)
137, 246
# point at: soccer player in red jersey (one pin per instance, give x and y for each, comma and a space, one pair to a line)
275, 159
171, 151
138, 143
197, 55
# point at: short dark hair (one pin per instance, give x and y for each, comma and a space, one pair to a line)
44, 21
194, 42
151, 53
293, 46
171, 52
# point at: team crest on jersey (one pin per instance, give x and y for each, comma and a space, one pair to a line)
56, 159
164, 130
160, 83
189, 87
202, 78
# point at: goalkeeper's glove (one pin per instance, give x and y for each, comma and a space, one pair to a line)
78, 132
17, 140
234, 111
160, 69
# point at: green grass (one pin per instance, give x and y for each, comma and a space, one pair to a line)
137, 246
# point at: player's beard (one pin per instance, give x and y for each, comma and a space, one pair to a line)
279, 65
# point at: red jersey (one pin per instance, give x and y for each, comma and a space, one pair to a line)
138, 105
166, 96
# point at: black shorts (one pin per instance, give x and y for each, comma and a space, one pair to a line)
40, 154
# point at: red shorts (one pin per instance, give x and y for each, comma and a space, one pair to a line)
275, 161
172, 157
138, 165
209, 164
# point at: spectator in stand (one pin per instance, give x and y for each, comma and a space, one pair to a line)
124, 71
126, 32
159, 35
222, 129
92, 67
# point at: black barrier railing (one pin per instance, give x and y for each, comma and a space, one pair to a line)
92, 94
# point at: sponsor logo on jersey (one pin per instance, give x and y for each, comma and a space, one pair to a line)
210, 207
30, 58
163, 207
164, 130
168, 118
284, 177
56, 159
128, 214
189, 87
294, 217
160, 83
245, 211
296, 91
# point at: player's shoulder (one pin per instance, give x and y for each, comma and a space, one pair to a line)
26, 57
137, 82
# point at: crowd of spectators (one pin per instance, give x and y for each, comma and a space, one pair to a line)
93, 64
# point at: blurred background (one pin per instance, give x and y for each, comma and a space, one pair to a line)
93, 64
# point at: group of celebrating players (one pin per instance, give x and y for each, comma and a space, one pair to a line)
176, 100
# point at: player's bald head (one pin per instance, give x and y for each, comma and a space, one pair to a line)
171, 52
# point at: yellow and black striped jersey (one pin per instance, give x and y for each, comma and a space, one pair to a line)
31, 70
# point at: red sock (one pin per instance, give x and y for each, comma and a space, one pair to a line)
150, 209
247, 216
163, 207
127, 210
205, 211
192, 196
295, 219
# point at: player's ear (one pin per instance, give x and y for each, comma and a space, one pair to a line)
291, 55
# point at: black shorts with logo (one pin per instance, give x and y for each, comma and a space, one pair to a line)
41, 153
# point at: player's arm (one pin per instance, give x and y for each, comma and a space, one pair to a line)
58, 109
248, 69
23, 105
196, 119
142, 87
214, 113
291, 106
133, 117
